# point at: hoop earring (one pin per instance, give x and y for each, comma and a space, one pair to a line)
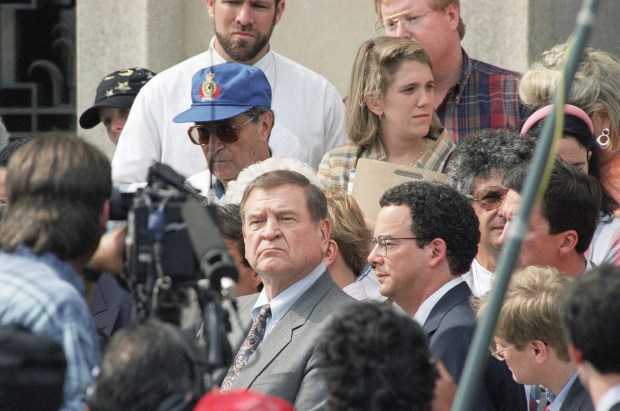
604, 141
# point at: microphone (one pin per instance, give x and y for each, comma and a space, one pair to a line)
229, 291
208, 245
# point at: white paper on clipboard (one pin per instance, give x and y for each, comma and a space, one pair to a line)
374, 177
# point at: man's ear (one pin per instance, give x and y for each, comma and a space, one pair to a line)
438, 251
325, 228
453, 15
280, 11
570, 238
105, 213
541, 350
575, 354
266, 124
331, 254
211, 8
373, 102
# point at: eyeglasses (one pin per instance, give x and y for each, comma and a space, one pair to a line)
226, 132
499, 354
491, 197
408, 19
383, 242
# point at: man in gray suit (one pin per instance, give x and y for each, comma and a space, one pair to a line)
286, 232
426, 236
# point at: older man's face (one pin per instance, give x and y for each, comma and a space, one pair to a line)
282, 242
229, 158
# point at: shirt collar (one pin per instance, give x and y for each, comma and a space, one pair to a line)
281, 303
610, 398
557, 400
427, 306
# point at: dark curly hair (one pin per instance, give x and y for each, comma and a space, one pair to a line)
374, 358
487, 152
439, 211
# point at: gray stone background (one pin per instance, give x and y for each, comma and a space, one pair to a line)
323, 35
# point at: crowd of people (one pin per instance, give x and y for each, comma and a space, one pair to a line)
333, 308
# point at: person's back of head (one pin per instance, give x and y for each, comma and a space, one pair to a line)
148, 366
590, 317
32, 370
349, 229
374, 358
57, 188
572, 200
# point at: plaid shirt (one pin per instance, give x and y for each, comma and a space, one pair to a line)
484, 97
44, 294
336, 166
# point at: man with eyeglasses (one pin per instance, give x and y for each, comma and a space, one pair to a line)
425, 238
529, 338
307, 105
470, 95
231, 109
477, 169
561, 225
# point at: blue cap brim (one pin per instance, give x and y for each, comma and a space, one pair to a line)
201, 114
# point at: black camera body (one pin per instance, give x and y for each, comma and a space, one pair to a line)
163, 260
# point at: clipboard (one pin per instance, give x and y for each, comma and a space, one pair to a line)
374, 177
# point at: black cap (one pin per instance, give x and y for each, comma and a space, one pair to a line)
118, 89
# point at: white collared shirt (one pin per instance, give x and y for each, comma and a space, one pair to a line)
609, 399
305, 104
427, 306
479, 279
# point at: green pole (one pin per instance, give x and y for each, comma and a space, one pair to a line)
535, 185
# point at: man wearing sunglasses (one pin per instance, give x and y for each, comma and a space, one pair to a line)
562, 224
476, 170
426, 236
307, 105
470, 95
231, 109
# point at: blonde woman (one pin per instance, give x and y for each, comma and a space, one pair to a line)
595, 90
390, 114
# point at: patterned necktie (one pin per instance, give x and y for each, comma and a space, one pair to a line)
254, 337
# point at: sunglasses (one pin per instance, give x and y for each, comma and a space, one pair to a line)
491, 197
226, 132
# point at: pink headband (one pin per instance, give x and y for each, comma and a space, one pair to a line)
542, 113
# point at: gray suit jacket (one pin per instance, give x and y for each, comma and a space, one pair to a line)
284, 363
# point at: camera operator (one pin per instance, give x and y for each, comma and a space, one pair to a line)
58, 188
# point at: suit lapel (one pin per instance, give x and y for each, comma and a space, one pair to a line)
575, 398
282, 334
452, 298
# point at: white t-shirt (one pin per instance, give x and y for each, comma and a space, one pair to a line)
304, 103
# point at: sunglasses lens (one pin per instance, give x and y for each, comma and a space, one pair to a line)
226, 133
491, 198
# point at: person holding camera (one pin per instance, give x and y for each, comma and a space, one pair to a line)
58, 188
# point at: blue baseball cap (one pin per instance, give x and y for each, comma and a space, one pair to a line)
224, 91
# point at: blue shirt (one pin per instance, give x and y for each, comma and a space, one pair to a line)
45, 294
281, 303
558, 400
